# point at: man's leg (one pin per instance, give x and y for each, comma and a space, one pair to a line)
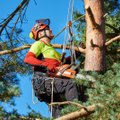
61, 87
66, 87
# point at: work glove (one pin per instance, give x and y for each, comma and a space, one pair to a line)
50, 67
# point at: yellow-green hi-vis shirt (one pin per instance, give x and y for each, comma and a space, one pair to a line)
47, 50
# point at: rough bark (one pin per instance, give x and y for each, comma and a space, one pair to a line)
95, 36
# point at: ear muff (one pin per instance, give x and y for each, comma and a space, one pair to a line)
31, 35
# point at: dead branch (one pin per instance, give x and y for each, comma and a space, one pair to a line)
59, 46
112, 40
79, 49
78, 114
14, 50
67, 102
12, 15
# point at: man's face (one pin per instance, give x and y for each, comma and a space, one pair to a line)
49, 32
46, 31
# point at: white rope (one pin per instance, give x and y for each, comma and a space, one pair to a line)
72, 9
69, 17
64, 28
70, 38
52, 83
33, 96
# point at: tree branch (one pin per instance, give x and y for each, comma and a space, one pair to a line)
12, 15
59, 46
78, 114
14, 50
67, 102
112, 40
78, 49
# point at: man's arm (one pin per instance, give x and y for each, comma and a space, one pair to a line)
32, 60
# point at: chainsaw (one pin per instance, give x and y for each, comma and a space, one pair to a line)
66, 70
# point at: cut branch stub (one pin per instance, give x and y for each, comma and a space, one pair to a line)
91, 16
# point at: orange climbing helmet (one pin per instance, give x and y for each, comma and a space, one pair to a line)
41, 24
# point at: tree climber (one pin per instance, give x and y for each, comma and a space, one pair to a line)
44, 59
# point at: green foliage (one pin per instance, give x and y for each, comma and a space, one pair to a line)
8, 85
111, 6
70, 108
79, 26
105, 93
14, 115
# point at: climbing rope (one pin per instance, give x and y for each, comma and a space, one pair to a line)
68, 26
66, 36
69, 33
52, 83
34, 99
69, 17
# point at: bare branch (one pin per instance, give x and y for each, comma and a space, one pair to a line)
79, 49
112, 40
78, 114
59, 46
67, 102
14, 50
12, 31
13, 14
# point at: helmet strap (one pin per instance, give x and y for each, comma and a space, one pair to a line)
45, 35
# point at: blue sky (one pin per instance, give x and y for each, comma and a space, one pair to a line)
57, 11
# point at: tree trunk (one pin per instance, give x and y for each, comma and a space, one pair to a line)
95, 36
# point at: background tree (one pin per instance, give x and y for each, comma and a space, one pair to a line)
11, 63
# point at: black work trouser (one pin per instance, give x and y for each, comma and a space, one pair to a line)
63, 89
